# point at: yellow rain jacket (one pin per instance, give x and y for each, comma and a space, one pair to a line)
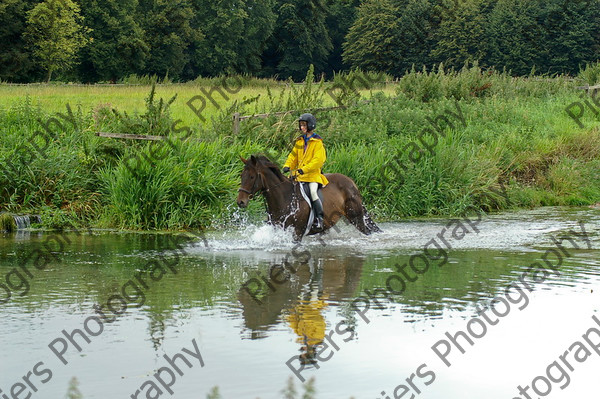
307, 321
310, 161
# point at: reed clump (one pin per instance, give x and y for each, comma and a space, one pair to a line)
7, 223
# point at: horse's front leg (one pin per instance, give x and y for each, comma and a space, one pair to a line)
271, 221
297, 230
297, 235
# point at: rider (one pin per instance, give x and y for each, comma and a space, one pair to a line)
306, 160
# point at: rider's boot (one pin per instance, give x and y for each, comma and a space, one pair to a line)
317, 207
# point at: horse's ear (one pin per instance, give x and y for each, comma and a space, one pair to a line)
243, 160
253, 159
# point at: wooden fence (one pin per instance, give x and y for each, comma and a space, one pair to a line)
130, 136
237, 118
588, 87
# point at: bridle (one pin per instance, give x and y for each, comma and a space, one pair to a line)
251, 193
264, 188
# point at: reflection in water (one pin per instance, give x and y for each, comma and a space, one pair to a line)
332, 280
306, 319
157, 329
302, 300
253, 339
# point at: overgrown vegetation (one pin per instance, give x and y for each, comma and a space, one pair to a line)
516, 134
7, 223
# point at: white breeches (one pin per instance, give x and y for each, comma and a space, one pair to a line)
313, 186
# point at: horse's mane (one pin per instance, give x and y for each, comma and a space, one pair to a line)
263, 160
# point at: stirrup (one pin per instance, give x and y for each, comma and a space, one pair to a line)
318, 224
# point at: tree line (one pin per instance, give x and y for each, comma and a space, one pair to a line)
108, 40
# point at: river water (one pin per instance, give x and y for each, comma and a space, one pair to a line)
344, 311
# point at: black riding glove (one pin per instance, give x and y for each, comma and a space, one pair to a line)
286, 169
300, 171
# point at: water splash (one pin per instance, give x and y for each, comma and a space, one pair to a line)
252, 237
521, 231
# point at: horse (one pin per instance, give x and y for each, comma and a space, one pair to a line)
285, 206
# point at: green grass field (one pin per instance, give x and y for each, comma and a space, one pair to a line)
130, 98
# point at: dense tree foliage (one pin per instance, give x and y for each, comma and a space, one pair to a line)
16, 63
185, 39
169, 31
371, 42
119, 47
461, 37
235, 33
300, 38
340, 18
56, 34
570, 31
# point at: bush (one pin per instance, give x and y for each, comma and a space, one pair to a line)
7, 223
590, 74
188, 185
474, 82
145, 80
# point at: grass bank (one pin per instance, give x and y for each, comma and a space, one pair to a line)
499, 132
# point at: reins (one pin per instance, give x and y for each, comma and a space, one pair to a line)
265, 189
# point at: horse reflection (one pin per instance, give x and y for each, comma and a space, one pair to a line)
303, 299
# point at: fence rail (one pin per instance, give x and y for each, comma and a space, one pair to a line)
588, 87
130, 136
237, 118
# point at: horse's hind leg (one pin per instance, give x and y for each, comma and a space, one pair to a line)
355, 213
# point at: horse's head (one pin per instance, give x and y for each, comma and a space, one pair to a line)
255, 178
251, 182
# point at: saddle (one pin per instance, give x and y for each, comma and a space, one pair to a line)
305, 191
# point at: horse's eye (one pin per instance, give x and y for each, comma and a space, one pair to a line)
252, 177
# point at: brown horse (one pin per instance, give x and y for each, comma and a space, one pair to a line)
286, 207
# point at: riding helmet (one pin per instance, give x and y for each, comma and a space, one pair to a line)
311, 121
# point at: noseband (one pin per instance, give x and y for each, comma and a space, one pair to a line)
253, 192
264, 188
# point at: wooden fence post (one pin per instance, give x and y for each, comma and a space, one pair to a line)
236, 123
